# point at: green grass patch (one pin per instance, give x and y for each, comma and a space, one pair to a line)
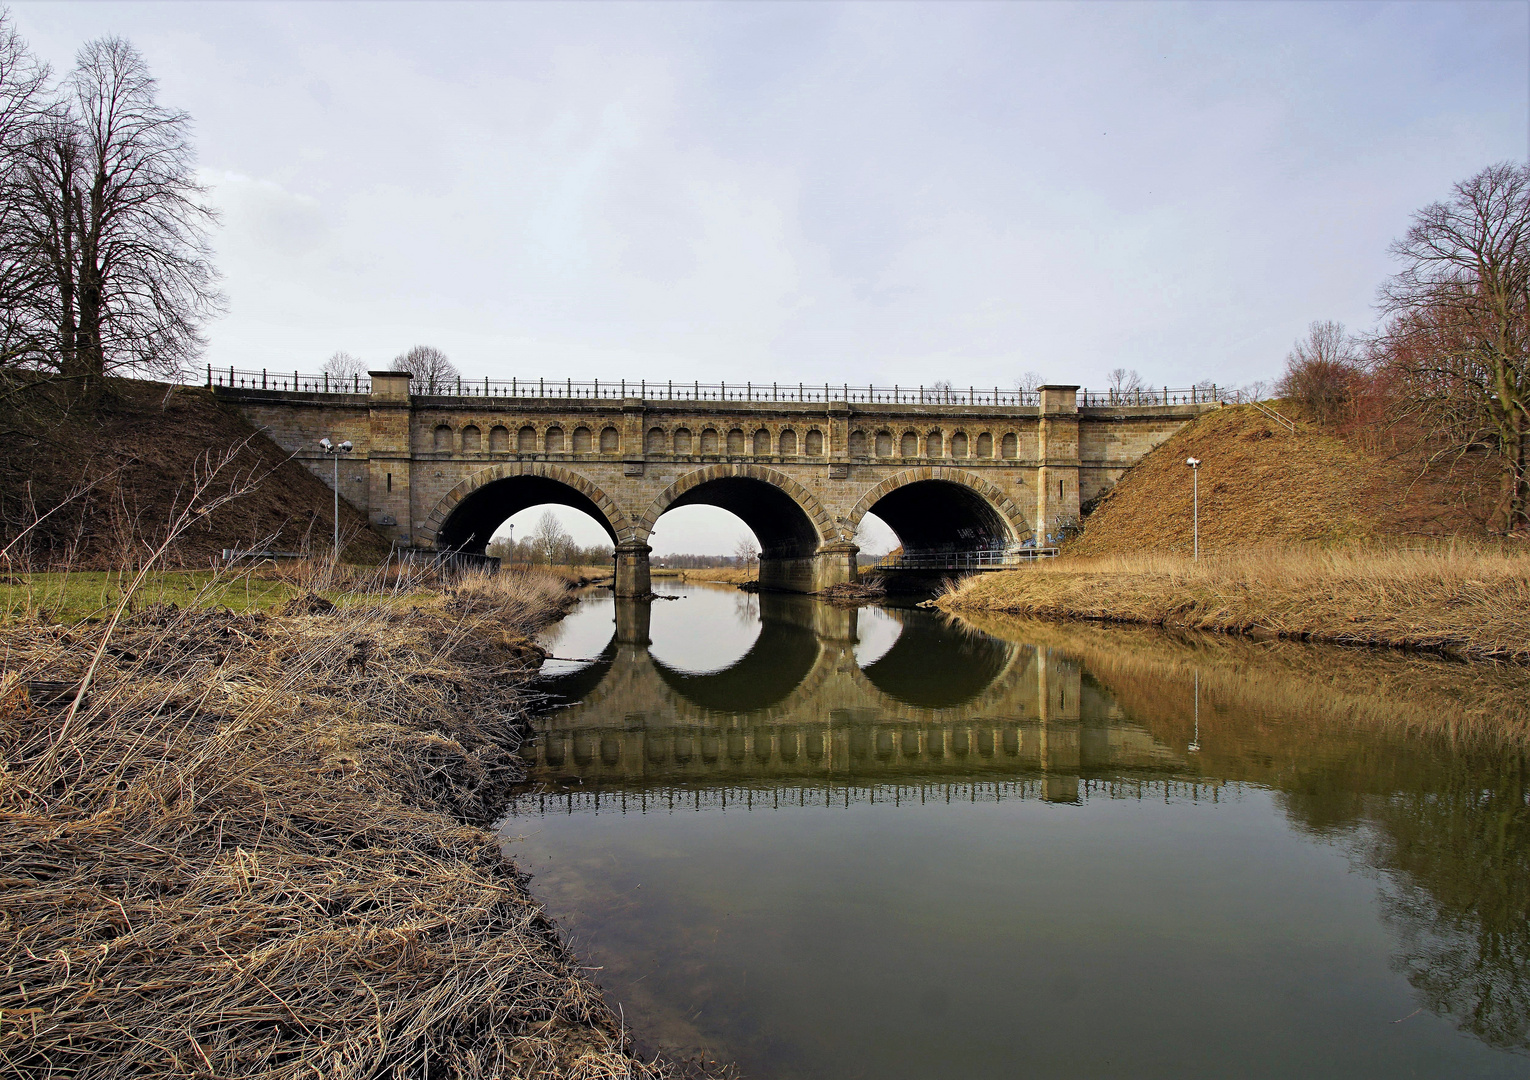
72, 597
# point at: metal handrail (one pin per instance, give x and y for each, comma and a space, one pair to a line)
672, 390
964, 560
1265, 410
1154, 395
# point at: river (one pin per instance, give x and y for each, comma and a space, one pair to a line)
828, 842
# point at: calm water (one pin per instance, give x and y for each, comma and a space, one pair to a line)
875, 843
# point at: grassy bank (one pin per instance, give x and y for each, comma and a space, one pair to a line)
256, 844
1454, 600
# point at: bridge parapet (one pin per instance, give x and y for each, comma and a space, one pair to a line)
659, 391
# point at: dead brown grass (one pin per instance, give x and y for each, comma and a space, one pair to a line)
1258, 484
1455, 599
253, 845
112, 477
728, 575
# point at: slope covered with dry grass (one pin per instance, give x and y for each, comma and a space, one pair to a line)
141, 447
1259, 484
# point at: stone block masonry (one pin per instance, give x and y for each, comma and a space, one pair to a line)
445, 472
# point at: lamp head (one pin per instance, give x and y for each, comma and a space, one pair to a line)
326, 445
345, 447
1194, 463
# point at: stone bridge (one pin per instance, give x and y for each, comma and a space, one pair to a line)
949, 472
798, 706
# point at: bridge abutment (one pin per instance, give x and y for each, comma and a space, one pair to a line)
1057, 473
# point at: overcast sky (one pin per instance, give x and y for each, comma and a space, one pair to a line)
891, 192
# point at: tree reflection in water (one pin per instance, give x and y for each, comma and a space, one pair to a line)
1454, 857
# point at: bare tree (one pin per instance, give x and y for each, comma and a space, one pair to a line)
550, 541
1321, 371
23, 88
867, 541
344, 366
1258, 390
746, 552
116, 222
1122, 382
429, 367
1456, 347
1030, 382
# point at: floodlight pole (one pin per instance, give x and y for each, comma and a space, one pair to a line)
1195, 502
334, 451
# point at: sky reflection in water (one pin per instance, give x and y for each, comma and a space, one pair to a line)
828, 843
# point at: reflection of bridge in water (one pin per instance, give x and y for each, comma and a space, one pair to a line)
968, 714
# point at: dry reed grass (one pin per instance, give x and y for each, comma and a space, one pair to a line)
1455, 599
251, 845
727, 575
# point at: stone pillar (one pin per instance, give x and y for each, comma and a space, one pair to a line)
1057, 461
1059, 685
390, 457
833, 623
633, 618
632, 570
838, 450
633, 436
834, 564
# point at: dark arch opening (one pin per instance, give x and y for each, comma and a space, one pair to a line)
775, 665
936, 665
473, 521
941, 516
781, 526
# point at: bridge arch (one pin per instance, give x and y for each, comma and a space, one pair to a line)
468, 514
943, 508
786, 517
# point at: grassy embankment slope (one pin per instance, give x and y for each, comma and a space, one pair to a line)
258, 844
1302, 536
140, 451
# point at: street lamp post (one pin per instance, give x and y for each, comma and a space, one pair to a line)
336, 451
1195, 501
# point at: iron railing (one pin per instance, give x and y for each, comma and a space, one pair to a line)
988, 558
1153, 395
673, 390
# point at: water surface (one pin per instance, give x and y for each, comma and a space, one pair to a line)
822, 842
